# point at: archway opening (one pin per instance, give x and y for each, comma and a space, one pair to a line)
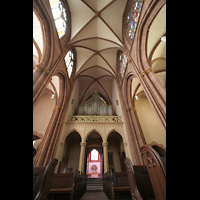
71, 153
116, 152
94, 156
94, 164
42, 110
150, 124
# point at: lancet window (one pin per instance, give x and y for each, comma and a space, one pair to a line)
59, 15
69, 60
94, 154
133, 17
122, 63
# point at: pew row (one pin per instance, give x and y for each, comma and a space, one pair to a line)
68, 186
139, 181
156, 166
42, 178
116, 185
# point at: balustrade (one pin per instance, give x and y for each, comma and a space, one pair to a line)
103, 119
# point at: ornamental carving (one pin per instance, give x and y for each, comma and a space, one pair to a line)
103, 119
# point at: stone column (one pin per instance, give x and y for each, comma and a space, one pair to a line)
82, 156
105, 154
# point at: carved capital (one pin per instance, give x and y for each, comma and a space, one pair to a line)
125, 144
131, 108
143, 73
105, 144
61, 144
58, 107
42, 68
83, 144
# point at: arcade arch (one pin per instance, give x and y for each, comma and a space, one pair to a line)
71, 153
148, 120
42, 111
94, 141
116, 152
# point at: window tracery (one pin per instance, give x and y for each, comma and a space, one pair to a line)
133, 17
69, 61
59, 15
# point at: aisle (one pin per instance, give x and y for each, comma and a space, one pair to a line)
94, 190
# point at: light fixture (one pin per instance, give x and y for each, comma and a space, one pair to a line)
136, 97
52, 96
163, 38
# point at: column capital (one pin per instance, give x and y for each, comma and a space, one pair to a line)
42, 68
58, 107
83, 144
125, 144
105, 144
62, 143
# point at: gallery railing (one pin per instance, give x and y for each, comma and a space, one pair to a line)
95, 119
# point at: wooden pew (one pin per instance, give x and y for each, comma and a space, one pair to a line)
120, 188
77, 186
68, 186
42, 177
156, 166
62, 186
139, 181
82, 185
116, 185
106, 184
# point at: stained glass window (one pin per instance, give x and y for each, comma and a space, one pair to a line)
122, 63
69, 60
132, 18
94, 154
59, 15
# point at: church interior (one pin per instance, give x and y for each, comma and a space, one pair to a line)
99, 95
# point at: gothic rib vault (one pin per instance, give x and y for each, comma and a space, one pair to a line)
96, 34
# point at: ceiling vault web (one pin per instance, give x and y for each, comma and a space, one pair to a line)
96, 35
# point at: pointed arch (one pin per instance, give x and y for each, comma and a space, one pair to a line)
117, 131
93, 130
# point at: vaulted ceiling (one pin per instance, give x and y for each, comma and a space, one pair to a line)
96, 34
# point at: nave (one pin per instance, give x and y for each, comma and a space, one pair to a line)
147, 182
99, 98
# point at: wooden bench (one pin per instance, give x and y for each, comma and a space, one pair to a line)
68, 186
42, 177
139, 181
62, 186
81, 185
156, 166
116, 185
120, 188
